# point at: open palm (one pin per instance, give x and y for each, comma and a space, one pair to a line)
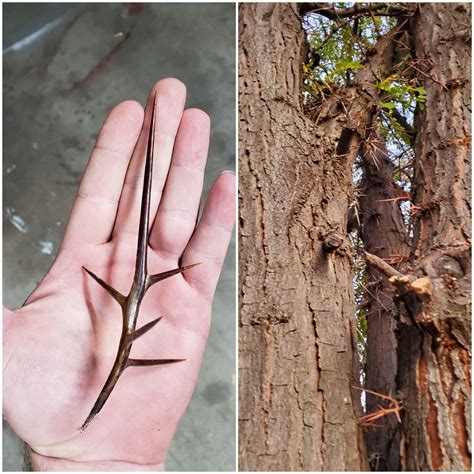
60, 346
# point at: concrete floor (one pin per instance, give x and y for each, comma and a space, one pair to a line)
64, 67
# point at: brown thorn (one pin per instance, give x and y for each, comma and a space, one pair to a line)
152, 279
116, 295
367, 420
150, 362
144, 329
141, 282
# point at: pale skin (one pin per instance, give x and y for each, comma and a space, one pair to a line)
60, 346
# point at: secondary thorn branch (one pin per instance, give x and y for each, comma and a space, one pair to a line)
393, 409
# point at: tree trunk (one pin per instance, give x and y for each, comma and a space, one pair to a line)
434, 333
383, 233
296, 337
297, 353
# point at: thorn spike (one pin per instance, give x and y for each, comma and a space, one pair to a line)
144, 329
152, 279
143, 231
141, 282
149, 362
86, 423
117, 296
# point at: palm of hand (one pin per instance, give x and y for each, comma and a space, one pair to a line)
66, 342
59, 347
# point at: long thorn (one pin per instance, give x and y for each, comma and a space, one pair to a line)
117, 296
141, 282
144, 329
148, 362
141, 261
152, 279
385, 397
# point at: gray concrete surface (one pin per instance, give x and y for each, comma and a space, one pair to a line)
65, 66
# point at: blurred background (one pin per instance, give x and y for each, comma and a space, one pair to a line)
64, 67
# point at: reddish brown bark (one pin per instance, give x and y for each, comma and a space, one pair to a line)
383, 233
435, 329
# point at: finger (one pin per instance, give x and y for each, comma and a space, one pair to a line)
176, 217
170, 99
95, 207
209, 243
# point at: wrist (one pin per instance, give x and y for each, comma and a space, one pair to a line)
47, 463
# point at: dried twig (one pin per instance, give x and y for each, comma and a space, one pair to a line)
396, 199
418, 285
381, 265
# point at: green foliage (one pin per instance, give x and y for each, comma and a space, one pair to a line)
343, 66
392, 130
340, 48
402, 93
342, 45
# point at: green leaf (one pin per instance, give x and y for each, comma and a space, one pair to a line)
308, 89
344, 65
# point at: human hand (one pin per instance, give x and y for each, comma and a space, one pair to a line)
60, 346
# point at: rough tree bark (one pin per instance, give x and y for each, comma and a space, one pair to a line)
383, 233
296, 338
296, 407
435, 327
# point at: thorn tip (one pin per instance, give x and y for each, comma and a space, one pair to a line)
188, 267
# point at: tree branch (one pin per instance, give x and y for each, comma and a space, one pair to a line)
333, 13
420, 286
381, 265
409, 130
